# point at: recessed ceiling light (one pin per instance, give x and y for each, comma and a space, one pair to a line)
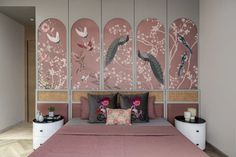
32, 19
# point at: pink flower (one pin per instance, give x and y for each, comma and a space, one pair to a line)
105, 101
136, 101
45, 27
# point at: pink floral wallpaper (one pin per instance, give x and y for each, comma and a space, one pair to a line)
85, 55
52, 55
150, 38
117, 54
183, 55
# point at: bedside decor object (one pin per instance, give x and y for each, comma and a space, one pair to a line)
43, 130
195, 130
193, 112
51, 110
37, 115
187, 115
40, 118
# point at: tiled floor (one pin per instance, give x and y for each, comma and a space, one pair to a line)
17, 142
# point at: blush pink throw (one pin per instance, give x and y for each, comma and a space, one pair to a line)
118, 141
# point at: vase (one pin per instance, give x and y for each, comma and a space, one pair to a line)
51, 114
37, 116
41, 118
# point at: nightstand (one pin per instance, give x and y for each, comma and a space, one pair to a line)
195, 131
42, 131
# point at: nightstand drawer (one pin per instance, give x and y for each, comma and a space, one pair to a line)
41, 131
46, 129
38, 141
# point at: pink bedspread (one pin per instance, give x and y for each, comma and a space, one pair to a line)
118, 141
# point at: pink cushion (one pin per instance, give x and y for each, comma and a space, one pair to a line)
151, 110
118, 116
84, 111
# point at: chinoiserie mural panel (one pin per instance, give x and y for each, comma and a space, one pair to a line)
150, 42
117, 55
52, 55
183, 55
85, 48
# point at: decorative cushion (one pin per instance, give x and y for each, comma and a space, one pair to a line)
84, 110
118, 116
138, 104
98, 105
151, 110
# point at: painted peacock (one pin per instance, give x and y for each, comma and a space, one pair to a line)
113, 48
155, 65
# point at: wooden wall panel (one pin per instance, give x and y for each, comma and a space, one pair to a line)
183, 96
52, 96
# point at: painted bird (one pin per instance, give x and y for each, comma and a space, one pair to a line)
155, 65
184, 59
55, 39
182, 40
111, 52
83, 33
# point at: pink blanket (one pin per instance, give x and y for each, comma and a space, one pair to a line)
118, 141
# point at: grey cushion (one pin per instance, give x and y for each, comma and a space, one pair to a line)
98, 105
139, 105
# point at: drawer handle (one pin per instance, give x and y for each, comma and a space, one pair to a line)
197, 144
197, 130
41, 130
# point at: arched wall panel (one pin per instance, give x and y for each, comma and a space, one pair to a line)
183, 55
117, 54
150, 40
85, 47
52, 55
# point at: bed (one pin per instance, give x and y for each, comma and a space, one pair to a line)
78, 138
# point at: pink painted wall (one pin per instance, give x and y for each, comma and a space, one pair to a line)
61, 109
174, 110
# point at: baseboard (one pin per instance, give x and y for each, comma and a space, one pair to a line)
10, 127
217, 150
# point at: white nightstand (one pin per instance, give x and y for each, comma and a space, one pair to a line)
194, 131
42, 131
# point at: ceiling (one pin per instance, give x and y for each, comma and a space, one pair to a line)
20, 14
